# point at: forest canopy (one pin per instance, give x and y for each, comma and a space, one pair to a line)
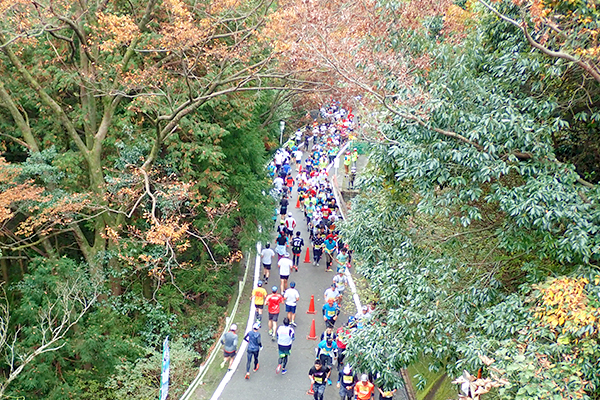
134, 137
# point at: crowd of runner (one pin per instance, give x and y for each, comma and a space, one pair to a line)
314, 196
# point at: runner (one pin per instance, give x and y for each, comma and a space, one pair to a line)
297, 245
281, 241
340, 281
298, 156
273, 301
347, 162
291, 297
354, 157
364, 390
266, 256
343, 333
346, 381
229, 342
331, 310
289, 183
285, 337
278, 185
318, 244
362, 316
331, 292
259, 294
330, 247
318, 375
326, 351
290, 225
342, 260
386, 394
298, 137
284, 205
285, 267
254, 347
328, 334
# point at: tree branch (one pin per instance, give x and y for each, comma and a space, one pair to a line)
550, 53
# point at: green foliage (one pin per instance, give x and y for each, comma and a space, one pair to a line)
462, 216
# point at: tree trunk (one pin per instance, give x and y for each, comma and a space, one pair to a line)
4, 266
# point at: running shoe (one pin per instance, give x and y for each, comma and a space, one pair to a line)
247, 375
293, 324
329, 381
256, 368
270, 332
283, 371
278, 370
223, 364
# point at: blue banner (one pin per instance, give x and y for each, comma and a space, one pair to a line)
164, 376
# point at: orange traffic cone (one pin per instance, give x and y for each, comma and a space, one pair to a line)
298, 202
311, 306
307, 258
313, 332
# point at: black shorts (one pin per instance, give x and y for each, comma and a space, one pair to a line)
228, 353
273, 317
267, 266
284, 276
259, 306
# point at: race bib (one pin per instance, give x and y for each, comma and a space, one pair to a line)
348, 379
318, 379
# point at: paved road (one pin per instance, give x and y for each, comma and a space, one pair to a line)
265, 383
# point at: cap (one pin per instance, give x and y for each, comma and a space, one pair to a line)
365, 308
347, 369
233, 327
259, 283
286, 254
292, 284
364, 378
289, 214
274, 289
256, 326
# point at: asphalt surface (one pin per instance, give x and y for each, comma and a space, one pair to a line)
265, 383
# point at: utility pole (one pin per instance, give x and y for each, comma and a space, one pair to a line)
281, 129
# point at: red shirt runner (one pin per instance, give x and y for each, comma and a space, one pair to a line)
273, 301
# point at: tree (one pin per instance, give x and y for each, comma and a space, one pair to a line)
118, 71
64, 307
469, 200
133, 143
